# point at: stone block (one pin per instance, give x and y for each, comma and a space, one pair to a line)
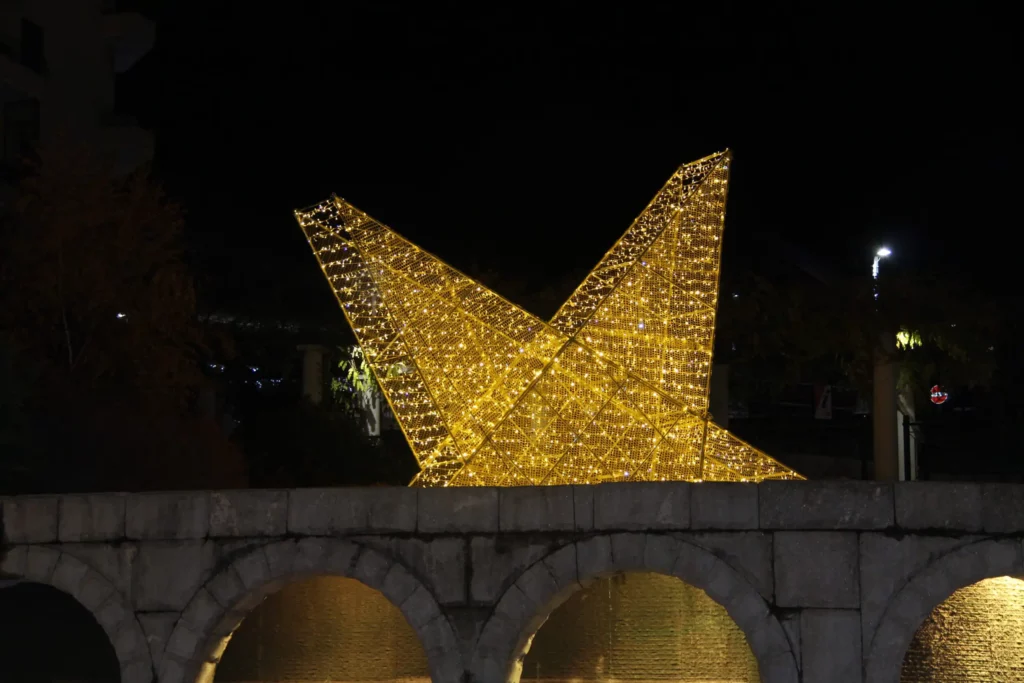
537, 584
94, 590
398, 584
113, 561
694, 565
660, 553
514, 607
236, 514
171, 669
536, 508
167, 516
940, 506
112, 614
129, 642
12, 562
439, 562
628, 552
831, 647
202, 612
562, 566
457, 510
95, 517
723, 505
344, 511
139, 671
371, 567
158, 628
420, 608
253, 569
642, 506
340, 559
184, 642
310, 555
280, 557
496, 562
168, 573
68, 574
594, 558
583, 507
816, 569
749, 553
39, 563
226, 588
1002, 508
886, 562
29, 519
791, 626
826, 505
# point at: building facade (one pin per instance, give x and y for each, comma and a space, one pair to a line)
59, 62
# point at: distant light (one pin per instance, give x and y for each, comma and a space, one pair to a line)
122, 315
883, 252
253, 368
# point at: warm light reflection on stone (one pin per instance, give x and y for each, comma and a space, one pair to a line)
640, 628
976, 636
324, 629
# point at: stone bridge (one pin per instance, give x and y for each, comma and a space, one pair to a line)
828, 580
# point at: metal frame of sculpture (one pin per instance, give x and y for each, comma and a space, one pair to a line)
614, 388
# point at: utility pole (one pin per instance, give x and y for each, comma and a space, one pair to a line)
883, 409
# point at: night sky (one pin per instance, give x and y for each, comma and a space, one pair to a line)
524, 139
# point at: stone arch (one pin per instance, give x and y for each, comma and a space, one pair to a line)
112, 611
545, 585
201, 634
924, 590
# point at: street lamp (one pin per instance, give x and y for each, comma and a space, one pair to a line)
882, 253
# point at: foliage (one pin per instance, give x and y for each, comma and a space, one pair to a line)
800, 327
96, 299
356, 388
96, 285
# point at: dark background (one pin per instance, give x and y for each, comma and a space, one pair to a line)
524, 138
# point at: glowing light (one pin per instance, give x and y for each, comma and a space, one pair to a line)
122, 316
905, 339
615, 387
883, 252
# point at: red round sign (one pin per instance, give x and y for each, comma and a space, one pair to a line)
938, 395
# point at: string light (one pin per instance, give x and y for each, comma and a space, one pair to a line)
614, 388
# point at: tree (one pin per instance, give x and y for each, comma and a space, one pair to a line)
919, 331
791, 326
96, 284
96, 299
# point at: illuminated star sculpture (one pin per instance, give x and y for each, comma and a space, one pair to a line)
614, 388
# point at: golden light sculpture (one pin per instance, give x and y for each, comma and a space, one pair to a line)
614, 388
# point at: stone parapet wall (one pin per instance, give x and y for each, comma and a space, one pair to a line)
828, 580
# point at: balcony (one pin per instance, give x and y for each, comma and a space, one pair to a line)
17, 81
130, 35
